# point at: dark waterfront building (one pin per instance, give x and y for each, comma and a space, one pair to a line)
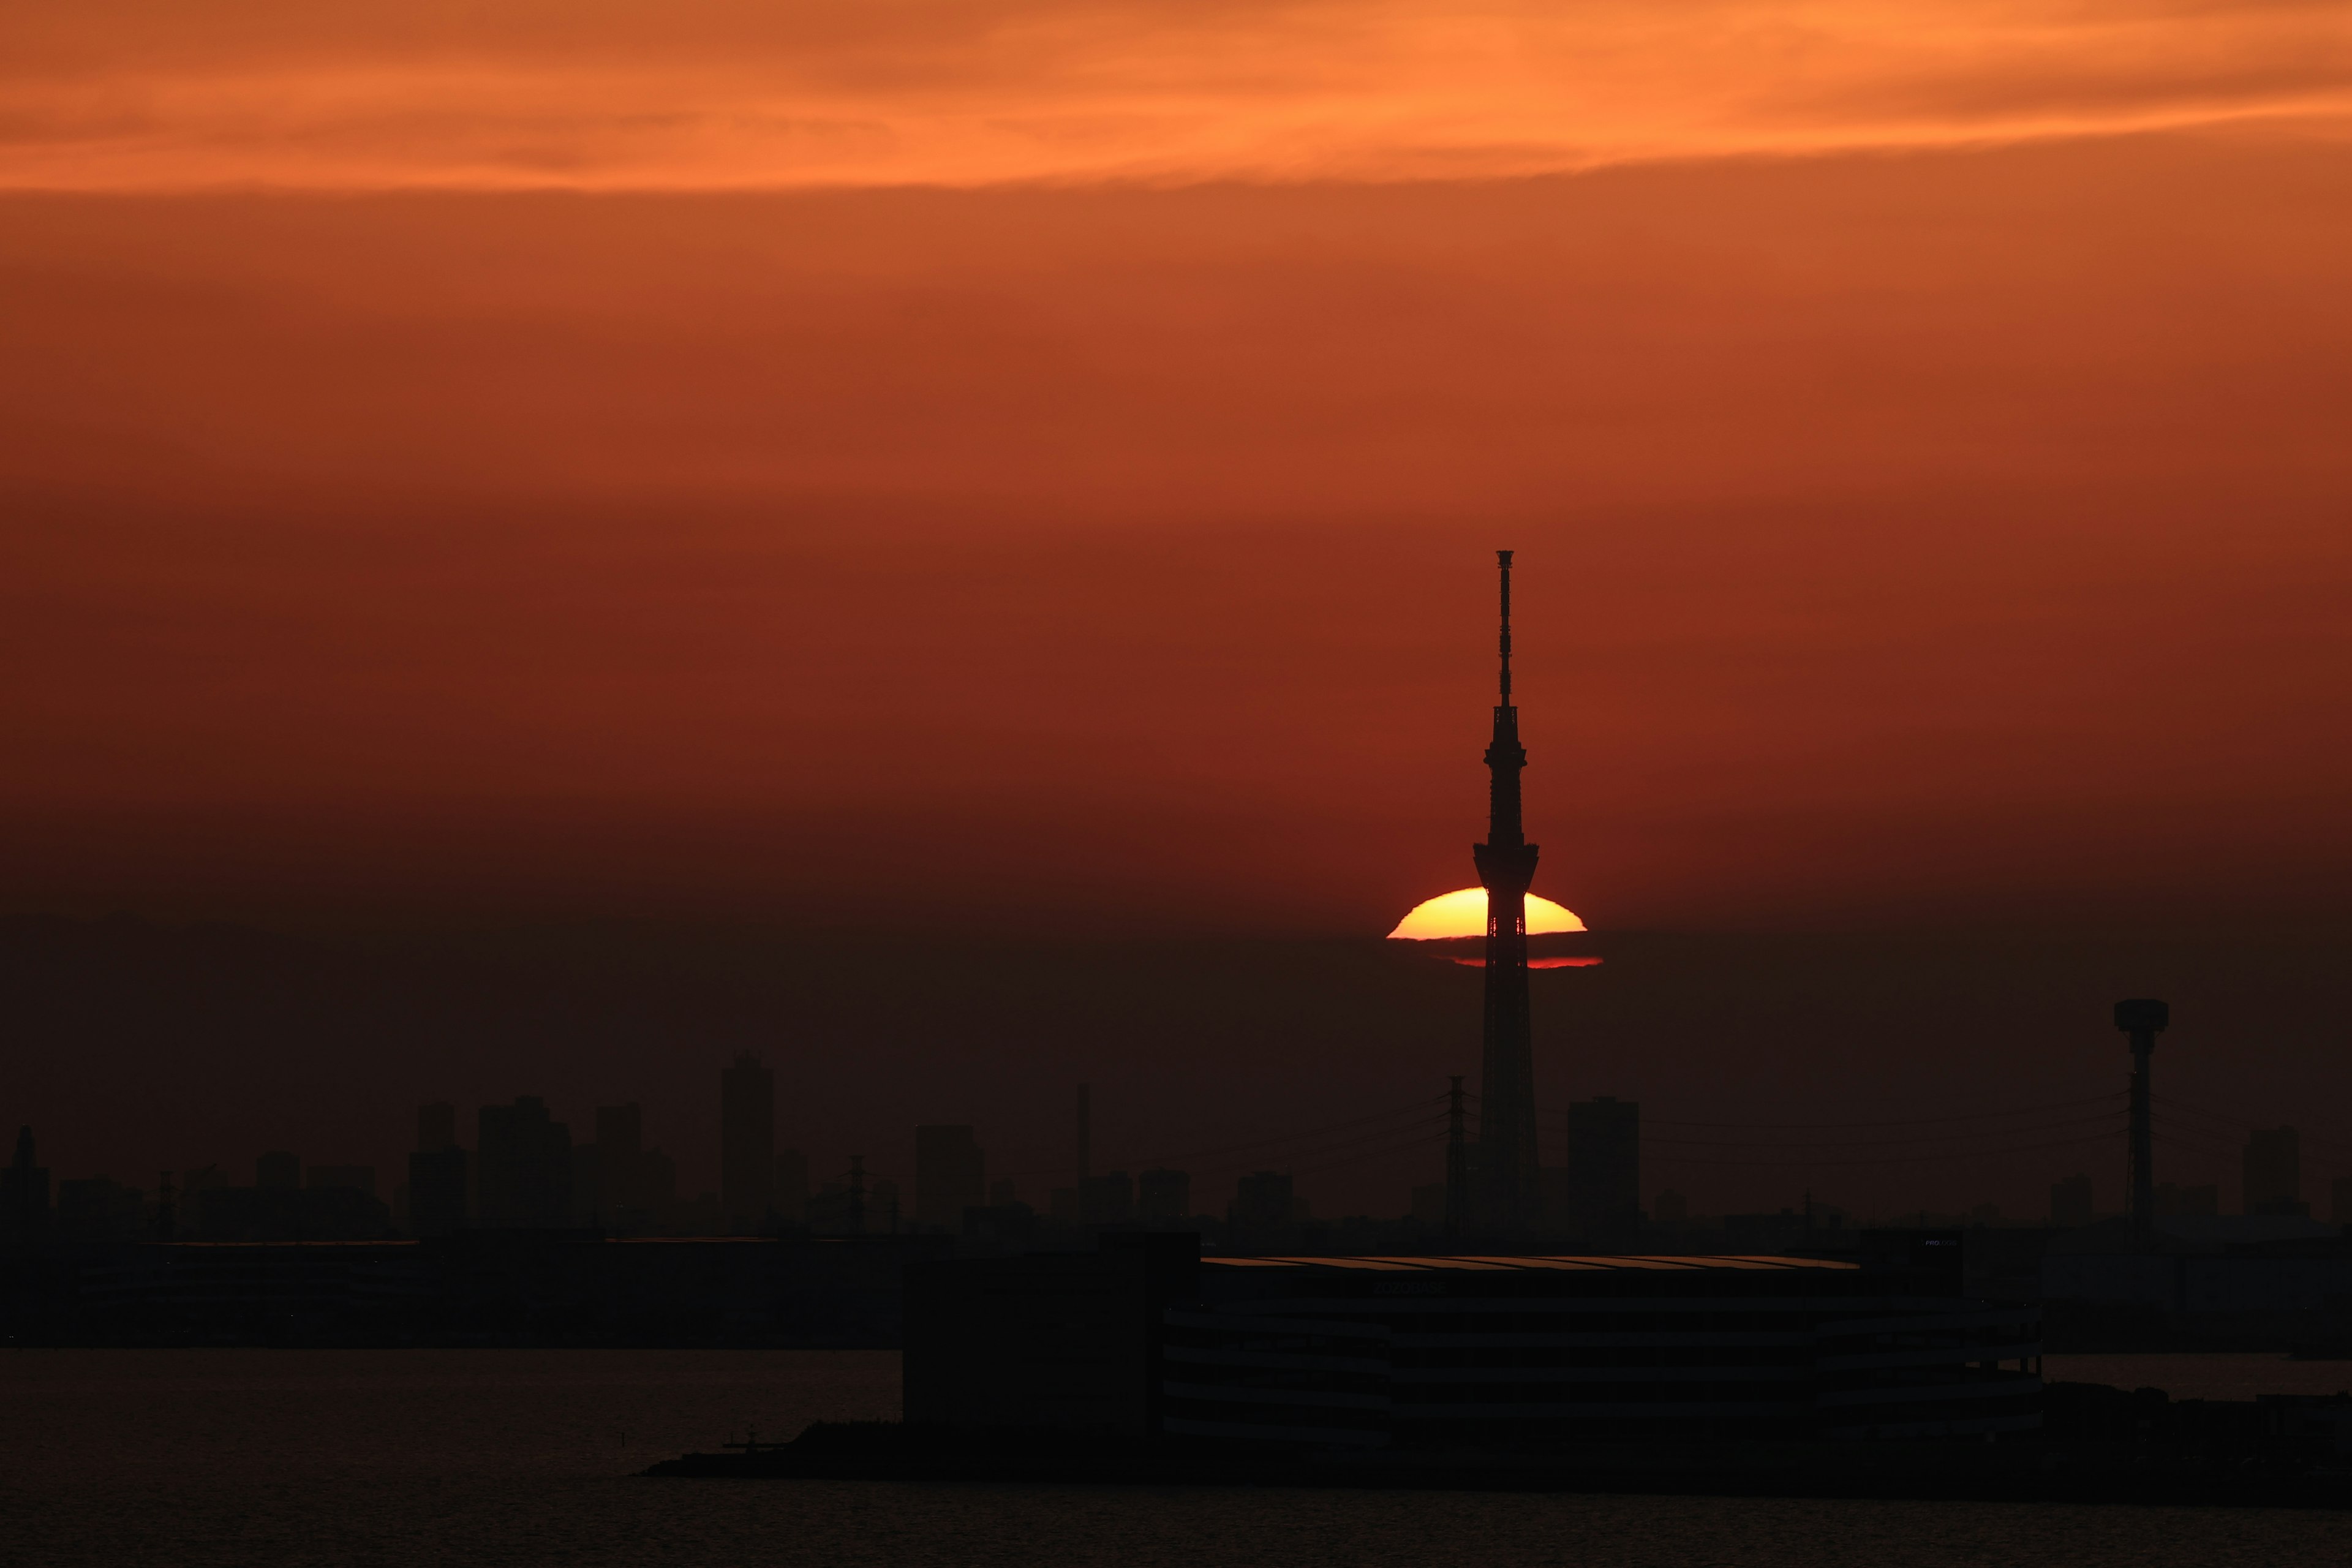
526, 1166
1161, 1195
747, 1145
2273, 1171
1604, 1171
950, 1176
1508, 1177
1147, 1339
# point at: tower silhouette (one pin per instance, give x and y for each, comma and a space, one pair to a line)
1506, 863
2142, 1018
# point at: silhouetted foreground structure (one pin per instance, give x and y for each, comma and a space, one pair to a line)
1147, 1340
2097, 1445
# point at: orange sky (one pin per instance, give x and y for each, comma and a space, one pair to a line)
986, 461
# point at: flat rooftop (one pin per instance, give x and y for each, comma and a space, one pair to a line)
1613, 1262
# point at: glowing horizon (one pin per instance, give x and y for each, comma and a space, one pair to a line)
1464, 913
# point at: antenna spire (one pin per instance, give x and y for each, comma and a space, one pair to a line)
1503, 562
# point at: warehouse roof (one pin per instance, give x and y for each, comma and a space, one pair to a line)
1611, 1263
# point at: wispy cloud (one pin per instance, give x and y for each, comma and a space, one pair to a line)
720, 95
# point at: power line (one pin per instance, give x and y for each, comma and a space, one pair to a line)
1880, 1142
1907, 1122
1893, 1159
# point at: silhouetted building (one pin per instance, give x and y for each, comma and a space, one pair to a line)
278, 1172
2273, 1171
792, 1188
747, 1145
2070, 1200
1671, 1208
1259, 1218
950, 1176
193, 1185
1510, 1192
24, 1194
224, 1214
2340, 1213
660, 1174
437, 1191
1604, 1169
1107, 1199
526, 1166
2172, 1202
359, 1178
1161, 1195
437, 1173
611, 1174
99, 1208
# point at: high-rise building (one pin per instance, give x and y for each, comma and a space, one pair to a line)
1161, 1195
2340, 1211
1510, 1193
950, 1176
1604, 1169
2273, 1171
278, 1172
526, 1166
24, 1194
660, 1185
747, 1145
611, 1173
360, 1178
436, 1173
2070, 1200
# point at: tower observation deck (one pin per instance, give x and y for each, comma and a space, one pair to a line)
1507, 1180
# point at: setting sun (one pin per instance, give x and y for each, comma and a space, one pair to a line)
1464, 913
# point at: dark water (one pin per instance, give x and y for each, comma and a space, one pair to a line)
269, 1458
